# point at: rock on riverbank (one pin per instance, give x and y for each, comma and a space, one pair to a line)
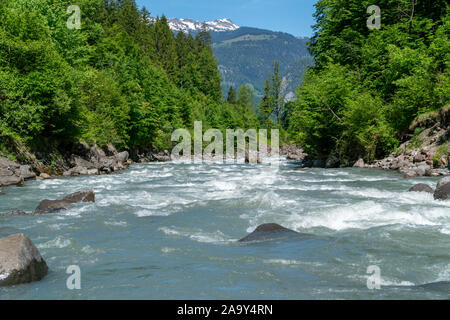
426, 154
20, 261
12, 173
292, 152
82, 159
95, 160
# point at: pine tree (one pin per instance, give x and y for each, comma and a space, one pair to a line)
204, 37
265, 109
277, 91
166, 51
232, 96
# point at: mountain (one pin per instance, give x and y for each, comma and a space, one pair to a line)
189, 25
246, 55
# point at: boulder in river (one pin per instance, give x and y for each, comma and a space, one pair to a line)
81, 196
20, 261
49, 206
270, 231
443, 189
442, 286
421, 187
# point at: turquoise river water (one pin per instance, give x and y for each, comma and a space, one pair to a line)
170, 231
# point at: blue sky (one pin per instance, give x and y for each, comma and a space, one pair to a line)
291, 16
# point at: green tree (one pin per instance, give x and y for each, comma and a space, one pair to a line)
232, 96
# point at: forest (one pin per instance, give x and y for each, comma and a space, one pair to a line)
371, 89
122, 78
125, 78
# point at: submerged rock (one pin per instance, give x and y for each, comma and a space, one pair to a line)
443, 286
270, 231
49, 206
81, 196
20, 261
421, 187
443, 182
15, 213
443, 190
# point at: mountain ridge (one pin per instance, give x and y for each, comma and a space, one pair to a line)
190, 25
245, 55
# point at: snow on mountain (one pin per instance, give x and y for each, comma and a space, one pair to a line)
189, 25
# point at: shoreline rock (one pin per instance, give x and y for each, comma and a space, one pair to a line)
292, 152
431, 157
12, 173
84, 160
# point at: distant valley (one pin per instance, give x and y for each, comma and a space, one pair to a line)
246, 55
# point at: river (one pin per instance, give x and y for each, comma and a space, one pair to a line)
170, 231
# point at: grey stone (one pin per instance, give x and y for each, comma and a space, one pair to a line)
359, 164
122, 157
50, 206
44, 175
270, 231
26, 172
443, 190
442, 182
81, 196
20, 261
421, 187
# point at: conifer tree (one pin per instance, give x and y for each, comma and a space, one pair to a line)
265, 109
232, 96
277, 91
165, 46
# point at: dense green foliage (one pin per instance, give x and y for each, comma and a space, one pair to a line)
122, 78
368, 86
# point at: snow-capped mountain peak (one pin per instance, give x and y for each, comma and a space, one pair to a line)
189, 25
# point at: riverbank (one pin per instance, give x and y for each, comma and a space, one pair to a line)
81, 160
427, 153
93, 160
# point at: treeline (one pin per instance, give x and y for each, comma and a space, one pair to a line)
369, 86
122, 78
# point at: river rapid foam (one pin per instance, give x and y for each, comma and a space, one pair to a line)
169, 231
